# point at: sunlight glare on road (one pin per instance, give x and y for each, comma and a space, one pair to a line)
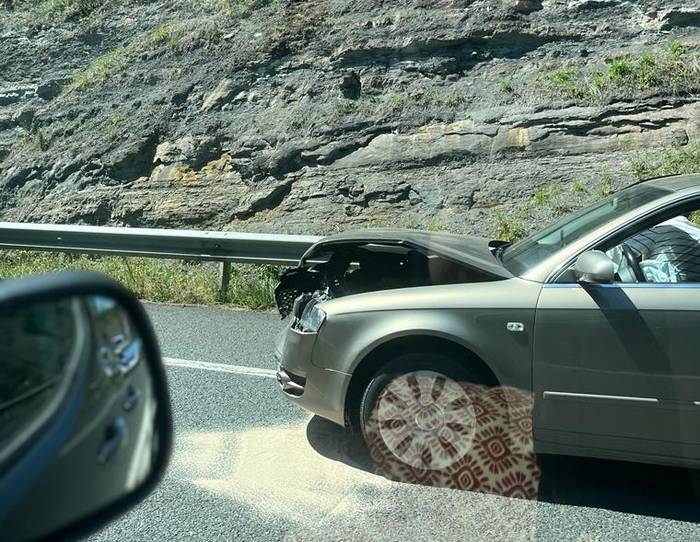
274, 469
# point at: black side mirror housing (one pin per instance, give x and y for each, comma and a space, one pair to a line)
85, 417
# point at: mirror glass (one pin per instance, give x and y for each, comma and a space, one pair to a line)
77, 392
37, 355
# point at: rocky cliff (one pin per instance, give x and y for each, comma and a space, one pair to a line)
309, 116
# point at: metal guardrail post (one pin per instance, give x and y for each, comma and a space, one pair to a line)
224, 279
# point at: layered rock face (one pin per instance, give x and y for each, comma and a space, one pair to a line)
314, 116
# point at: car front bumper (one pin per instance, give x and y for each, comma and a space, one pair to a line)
318, 390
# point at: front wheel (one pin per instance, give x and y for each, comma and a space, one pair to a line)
426, 420
418, 410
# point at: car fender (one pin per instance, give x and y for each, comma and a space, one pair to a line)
346, 340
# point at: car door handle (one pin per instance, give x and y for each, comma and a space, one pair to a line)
113, 438
133, 396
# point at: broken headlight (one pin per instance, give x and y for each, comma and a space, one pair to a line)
312, 317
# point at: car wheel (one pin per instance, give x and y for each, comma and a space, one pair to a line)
417, 410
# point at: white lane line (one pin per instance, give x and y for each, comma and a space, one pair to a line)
220, 367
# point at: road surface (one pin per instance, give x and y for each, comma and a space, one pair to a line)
248, 465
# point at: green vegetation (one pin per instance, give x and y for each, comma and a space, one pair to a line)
168, 35
61, 10
509, 226
695, 217
42, 138
242, 8
604, 186
113, 131
544, 196
577, 187
394, 102
673, 71
506, 86
38, 138
346, 106
672, 161
547, 204
100, 71
565, 81
171, 281
551, 201
439, 100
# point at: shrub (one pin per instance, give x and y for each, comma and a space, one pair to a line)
508, 226
675, 160
506, 86
168, 35
675, 70
565, 81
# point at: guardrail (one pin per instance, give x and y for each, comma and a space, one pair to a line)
218, 246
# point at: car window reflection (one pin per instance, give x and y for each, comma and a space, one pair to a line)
35, 346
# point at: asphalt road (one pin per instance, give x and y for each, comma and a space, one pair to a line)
248, 465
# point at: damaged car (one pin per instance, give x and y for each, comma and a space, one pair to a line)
594, 319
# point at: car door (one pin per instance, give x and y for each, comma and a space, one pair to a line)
616, 369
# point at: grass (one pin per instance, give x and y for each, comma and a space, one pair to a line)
604, 187
100, 71
168, 35
676, 160
506, 86
565, 81
241, 8
346, 106
41, 11
39, 137
548, 203
674, 70
509, 226
577, 187
551, 201
170, 281
113, 132
546, 195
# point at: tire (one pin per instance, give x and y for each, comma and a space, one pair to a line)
416, 410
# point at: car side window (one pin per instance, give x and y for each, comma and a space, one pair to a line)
667, 252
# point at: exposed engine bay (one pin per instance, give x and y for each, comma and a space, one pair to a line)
348, 268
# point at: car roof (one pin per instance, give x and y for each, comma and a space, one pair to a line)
675, 183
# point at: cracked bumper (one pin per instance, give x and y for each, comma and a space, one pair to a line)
318, 390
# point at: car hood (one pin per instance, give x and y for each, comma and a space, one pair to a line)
470, 250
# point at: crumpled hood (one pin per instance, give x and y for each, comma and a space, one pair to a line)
470, 250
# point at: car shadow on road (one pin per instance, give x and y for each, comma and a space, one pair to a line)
649, 490
336, 443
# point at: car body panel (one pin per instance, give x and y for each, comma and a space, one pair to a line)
624, 368
612, 367
473, 251
323, 390
473, 316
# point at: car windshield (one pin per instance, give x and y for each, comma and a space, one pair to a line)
528, 252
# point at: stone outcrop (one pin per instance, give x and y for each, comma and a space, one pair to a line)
322, 115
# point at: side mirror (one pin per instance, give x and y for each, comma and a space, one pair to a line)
594, 266
85, 419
